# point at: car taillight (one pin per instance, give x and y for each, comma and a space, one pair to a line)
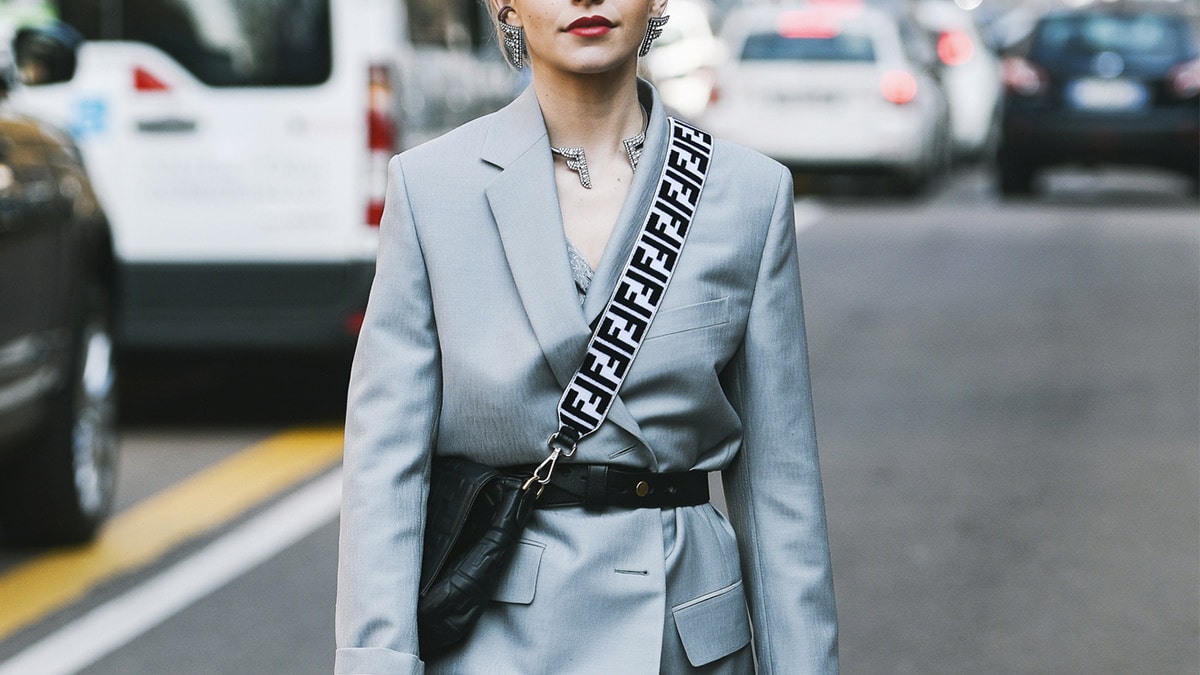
381, 139
1022, 77
898, 86
144, 80
1185, 79
954, 47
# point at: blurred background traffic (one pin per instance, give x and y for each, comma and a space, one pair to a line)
190, 193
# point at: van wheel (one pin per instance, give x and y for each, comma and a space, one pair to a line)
61, 488
1014, 178
913, 185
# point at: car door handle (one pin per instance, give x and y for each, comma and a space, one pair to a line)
167, 125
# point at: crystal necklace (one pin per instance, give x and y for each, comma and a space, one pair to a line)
577, 160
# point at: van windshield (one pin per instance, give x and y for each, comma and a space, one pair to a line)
224, 43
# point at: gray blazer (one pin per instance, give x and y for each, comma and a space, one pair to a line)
473, 328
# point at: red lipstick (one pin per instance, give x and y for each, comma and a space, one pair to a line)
590, 26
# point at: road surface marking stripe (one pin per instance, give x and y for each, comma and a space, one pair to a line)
119, 621
150, 529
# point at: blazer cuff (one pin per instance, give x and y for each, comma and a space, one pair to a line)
376, 661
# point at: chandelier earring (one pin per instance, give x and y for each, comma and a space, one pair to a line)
653, 30
514, 39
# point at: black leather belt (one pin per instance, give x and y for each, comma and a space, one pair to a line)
598, 486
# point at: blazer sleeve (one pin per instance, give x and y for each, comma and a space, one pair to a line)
391, 423
773, 486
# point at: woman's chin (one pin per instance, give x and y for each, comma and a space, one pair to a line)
593, 66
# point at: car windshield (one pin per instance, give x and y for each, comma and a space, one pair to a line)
801, 36
1138, 36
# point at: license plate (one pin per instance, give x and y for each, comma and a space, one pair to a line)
807, 97
1115, 95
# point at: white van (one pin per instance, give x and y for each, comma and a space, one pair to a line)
240, 150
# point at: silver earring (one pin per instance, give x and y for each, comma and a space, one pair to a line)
653, 31
514, 39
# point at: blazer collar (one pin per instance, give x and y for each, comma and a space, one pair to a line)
514, 130
524, 202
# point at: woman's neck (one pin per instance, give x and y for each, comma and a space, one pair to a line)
593, 113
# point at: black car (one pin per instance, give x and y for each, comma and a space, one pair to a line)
1105, 86
57, 284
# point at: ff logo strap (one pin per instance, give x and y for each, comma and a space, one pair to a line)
638, 293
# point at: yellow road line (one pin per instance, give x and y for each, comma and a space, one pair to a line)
151, 528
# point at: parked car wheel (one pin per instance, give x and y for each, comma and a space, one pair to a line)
1014, 177
60, 492
913, 184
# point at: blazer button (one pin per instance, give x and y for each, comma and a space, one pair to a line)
642, 488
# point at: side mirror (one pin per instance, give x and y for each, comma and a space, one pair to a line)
46, 54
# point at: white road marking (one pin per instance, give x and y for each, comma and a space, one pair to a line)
122, 619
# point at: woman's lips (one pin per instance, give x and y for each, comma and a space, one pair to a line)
590, 26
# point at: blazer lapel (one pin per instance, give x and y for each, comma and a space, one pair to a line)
524, 203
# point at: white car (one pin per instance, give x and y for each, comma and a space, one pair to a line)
970, 75
832, 89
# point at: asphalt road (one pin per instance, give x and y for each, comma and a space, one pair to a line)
1007, 405
1007, 400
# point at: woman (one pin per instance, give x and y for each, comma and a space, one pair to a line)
500, 245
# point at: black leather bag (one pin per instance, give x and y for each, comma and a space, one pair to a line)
475, 516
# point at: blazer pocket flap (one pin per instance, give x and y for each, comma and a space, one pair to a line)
713, 625
519, 583
689, 317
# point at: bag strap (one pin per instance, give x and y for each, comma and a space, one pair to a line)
622, 326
